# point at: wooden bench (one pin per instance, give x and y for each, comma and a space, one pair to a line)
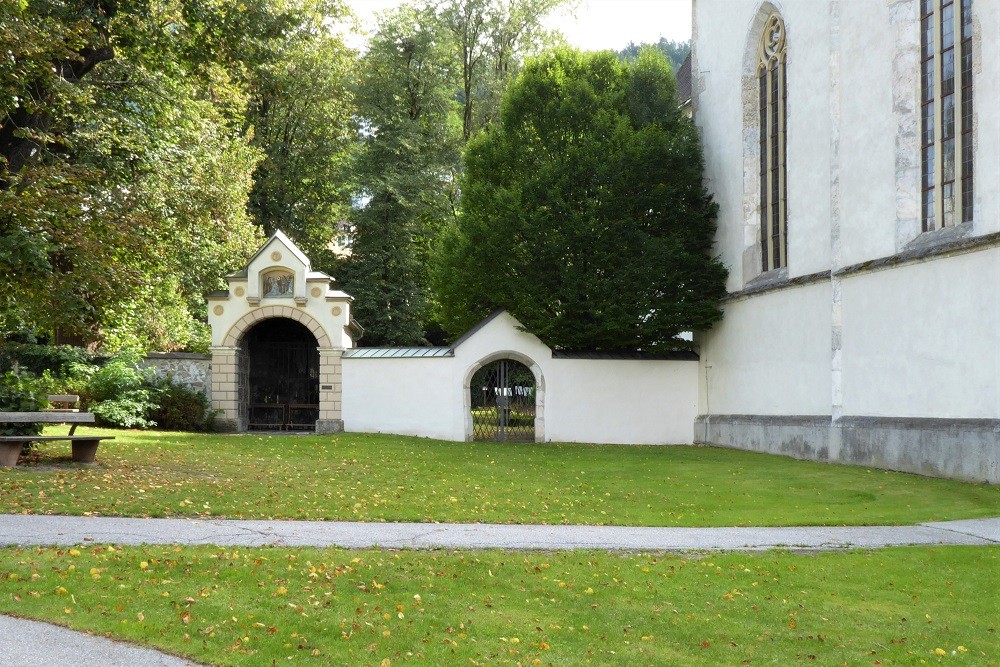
63, 403
84, 446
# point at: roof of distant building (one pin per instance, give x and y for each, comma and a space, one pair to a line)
684, 81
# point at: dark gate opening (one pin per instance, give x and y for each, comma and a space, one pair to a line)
279, 377
503, 402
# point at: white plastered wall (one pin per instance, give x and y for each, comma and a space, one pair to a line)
868, 134
621, 401
577, 400
770, 355
312, 296
406, 396
913, 347
986, 79
726, 113
905, 341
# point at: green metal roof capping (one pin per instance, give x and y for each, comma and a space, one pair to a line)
398, 352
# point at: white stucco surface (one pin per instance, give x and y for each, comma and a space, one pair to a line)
867, 150
770, 355
908, 352
419, 397
726, 113
894, 333
809, 121
852, 127
577, 400
621, 401
327, 307
986, 78
853, 197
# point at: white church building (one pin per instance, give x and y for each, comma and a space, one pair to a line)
853, 147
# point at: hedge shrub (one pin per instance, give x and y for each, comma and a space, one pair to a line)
21, 392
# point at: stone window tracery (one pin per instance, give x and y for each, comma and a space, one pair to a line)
946, 112
773, 93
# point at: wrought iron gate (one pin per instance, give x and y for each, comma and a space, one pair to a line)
503, 402
242, 389
283, 377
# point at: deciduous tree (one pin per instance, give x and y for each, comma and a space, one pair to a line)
125, 162
405, 169
491, 39
303, 118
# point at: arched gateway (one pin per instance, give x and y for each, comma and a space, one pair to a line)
278, 335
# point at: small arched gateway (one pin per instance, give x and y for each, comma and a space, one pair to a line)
278, 335
503, 398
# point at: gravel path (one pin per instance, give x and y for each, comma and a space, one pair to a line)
68, 530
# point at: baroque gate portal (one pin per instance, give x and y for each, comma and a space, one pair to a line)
502, 396
285, 375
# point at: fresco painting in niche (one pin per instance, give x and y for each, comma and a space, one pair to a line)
278, 284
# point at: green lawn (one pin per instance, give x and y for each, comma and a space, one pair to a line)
395, 478
264, 606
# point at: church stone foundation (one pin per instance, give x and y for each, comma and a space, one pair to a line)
801, 437
962, 449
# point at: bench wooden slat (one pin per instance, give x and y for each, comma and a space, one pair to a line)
47, 417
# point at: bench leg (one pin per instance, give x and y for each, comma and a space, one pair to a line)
84, 451
9, 451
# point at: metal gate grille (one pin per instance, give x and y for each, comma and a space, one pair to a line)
242, 389
503, 402
283, 377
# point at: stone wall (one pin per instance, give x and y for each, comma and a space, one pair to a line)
190, 370
962, 449
592, 398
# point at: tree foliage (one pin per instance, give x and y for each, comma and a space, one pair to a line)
302, 112
127, 154
405, 168
145, 146
491, 40
583, 211
432, 77
675, 52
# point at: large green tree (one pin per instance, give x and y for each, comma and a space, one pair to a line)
491, 38
432, 77
405, 170
302, 113
583, 211
127, 156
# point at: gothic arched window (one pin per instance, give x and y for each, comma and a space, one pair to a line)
946, 112
773, 170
